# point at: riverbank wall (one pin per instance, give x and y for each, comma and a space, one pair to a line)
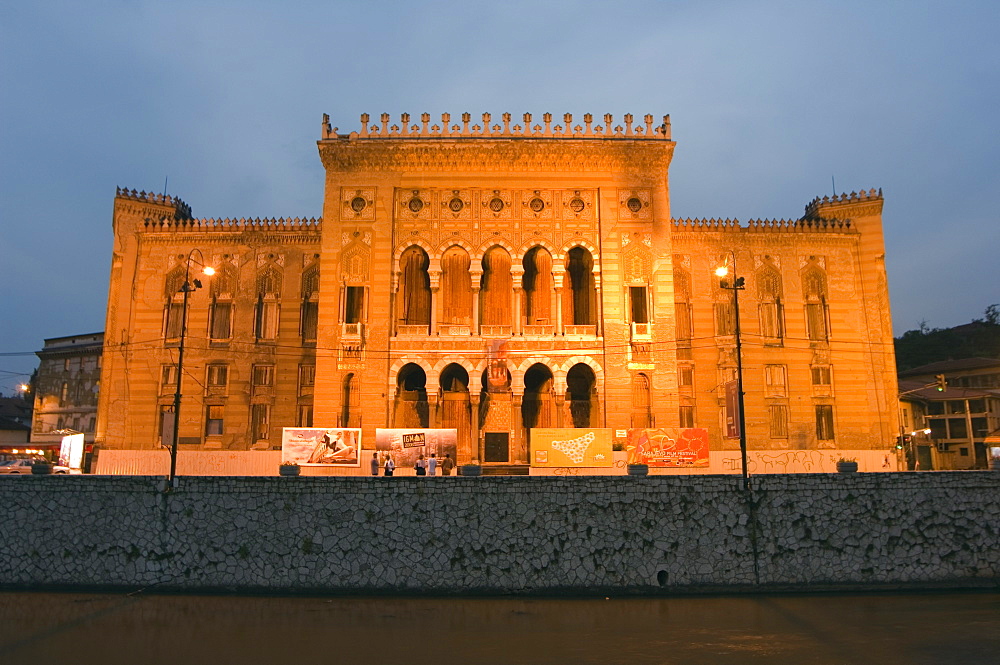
485, 535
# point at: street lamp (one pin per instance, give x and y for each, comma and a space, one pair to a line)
736, 285
187, 287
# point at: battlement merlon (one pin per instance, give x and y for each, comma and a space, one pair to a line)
845, 206
544, 130
157, 206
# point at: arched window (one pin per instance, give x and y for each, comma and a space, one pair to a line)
769, 303
268, 307
537, 280
814, 294
580, 299
496, 290
456, 287
683, 325
223, 291
309, 317
581, 393
414, 288
173, 309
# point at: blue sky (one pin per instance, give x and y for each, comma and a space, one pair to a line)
768, 100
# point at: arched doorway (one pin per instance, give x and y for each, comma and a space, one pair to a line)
456, 408
537, 281
537, 407
497, 286
495, 411
411, 409
581, 395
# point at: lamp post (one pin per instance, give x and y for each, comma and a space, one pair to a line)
737, 285
187, 287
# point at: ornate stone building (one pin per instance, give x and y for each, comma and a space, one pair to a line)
494, 276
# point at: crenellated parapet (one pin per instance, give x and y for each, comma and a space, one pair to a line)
832, 207
311, 224
526, 127
181, 209
766, 225
688, 224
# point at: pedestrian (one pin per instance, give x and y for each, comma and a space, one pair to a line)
389, 465
374, 464
447, 464
432, 465
421, 466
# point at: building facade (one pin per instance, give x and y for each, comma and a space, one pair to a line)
496, 276
67, 388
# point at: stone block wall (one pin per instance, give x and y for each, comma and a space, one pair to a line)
501, 534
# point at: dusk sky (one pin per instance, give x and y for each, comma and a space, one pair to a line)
768, 102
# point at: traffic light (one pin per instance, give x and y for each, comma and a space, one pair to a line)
899, 442
942, 383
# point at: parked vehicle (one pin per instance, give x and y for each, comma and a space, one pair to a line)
16, 466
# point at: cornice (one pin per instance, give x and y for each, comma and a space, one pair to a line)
473, 156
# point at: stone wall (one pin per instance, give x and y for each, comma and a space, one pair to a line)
502, 534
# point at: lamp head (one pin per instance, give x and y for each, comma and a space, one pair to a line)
209, 270
722, 271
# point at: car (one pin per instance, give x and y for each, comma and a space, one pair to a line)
18, 466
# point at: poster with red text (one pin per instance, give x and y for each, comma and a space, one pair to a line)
668, 447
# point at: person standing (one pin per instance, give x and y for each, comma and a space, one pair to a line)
421, 466
374, 464
447, 464
432, 465
389, 465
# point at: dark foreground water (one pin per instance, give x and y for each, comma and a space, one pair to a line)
76, 628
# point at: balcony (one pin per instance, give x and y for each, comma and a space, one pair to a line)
642, 332
455, 330
404, 330
580, 331
352, 330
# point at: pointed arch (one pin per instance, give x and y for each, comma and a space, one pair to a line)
769, 299
538, 286
580, 298
456, 286
497, 286
414, 301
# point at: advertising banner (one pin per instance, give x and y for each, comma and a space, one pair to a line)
406, 445
732, 410
321, 446
668, 447
71, 451
562, 447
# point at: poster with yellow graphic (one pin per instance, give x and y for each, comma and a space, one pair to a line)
562, 447
668, 447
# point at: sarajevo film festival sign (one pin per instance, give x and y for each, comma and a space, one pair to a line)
668, 447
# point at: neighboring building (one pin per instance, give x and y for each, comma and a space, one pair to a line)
960, 418
66, 388
15, 423
496, 278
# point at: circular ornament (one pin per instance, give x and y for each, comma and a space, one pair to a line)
536, 204
634, 204
576, 204
456, 204
358, 204
415, 205
496, 204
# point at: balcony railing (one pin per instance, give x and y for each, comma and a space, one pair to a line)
641, 331
449, 329
411, 330
585, 331
352, 330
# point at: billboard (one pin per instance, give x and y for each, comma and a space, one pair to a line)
321, 446
71, 451
668, 447
561, 447
406, 445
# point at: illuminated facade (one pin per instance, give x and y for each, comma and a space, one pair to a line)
497, 276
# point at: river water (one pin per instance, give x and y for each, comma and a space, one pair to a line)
884, 628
